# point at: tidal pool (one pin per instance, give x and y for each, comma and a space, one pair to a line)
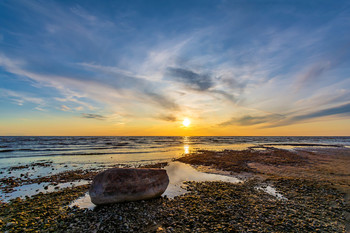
178, 173
32, 189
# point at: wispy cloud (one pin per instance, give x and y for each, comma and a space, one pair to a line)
342, 110
111, 89
65, 108
22, 98
327, 62
164, 117
313, 73
142, 88
276, 120
93, 116
253, 120
73, 98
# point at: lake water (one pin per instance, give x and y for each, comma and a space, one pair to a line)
84, 152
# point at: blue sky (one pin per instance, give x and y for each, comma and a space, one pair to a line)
232, 67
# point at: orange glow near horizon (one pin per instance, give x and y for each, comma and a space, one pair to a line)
57, 126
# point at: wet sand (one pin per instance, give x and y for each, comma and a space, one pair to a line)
328, 166
312, 186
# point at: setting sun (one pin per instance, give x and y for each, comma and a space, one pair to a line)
186, 122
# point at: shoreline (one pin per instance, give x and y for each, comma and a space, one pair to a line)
315, 182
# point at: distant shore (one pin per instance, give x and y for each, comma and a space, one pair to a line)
313, 184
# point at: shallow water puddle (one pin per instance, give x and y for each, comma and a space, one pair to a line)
83, 202
178, 173
32, 189
272, 191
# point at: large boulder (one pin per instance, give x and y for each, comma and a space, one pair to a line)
127, 184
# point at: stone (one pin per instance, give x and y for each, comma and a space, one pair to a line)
128, 184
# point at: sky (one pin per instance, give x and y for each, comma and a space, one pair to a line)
237, 68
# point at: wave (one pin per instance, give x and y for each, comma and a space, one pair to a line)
84, 154
16, 147
12, 150
303, 144
2, 151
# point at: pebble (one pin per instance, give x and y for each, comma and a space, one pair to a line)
207, 207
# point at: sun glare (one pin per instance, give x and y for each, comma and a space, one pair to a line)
186, 122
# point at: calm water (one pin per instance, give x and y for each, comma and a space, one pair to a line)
72, 153
84, 151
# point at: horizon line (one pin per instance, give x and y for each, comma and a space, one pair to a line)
172, 136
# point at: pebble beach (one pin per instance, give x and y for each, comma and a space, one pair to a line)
258, 189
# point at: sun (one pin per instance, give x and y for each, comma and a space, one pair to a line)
186, 122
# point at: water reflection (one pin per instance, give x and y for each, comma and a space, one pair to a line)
186, 142
186, 149
180, 172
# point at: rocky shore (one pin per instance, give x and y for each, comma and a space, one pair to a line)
313, 187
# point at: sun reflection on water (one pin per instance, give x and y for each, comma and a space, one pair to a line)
186, 149
186, 142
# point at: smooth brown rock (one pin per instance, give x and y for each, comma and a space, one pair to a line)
127, 184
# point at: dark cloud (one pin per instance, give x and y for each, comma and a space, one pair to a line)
196, 81
252, 120
93, 116
204, 82
166, 118
339, 110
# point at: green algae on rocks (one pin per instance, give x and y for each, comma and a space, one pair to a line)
40, 213
208, 207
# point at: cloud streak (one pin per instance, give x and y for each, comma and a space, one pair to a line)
163, 117
65, 108
252, 120
93, 116
342, 110
276, 120
21, 98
